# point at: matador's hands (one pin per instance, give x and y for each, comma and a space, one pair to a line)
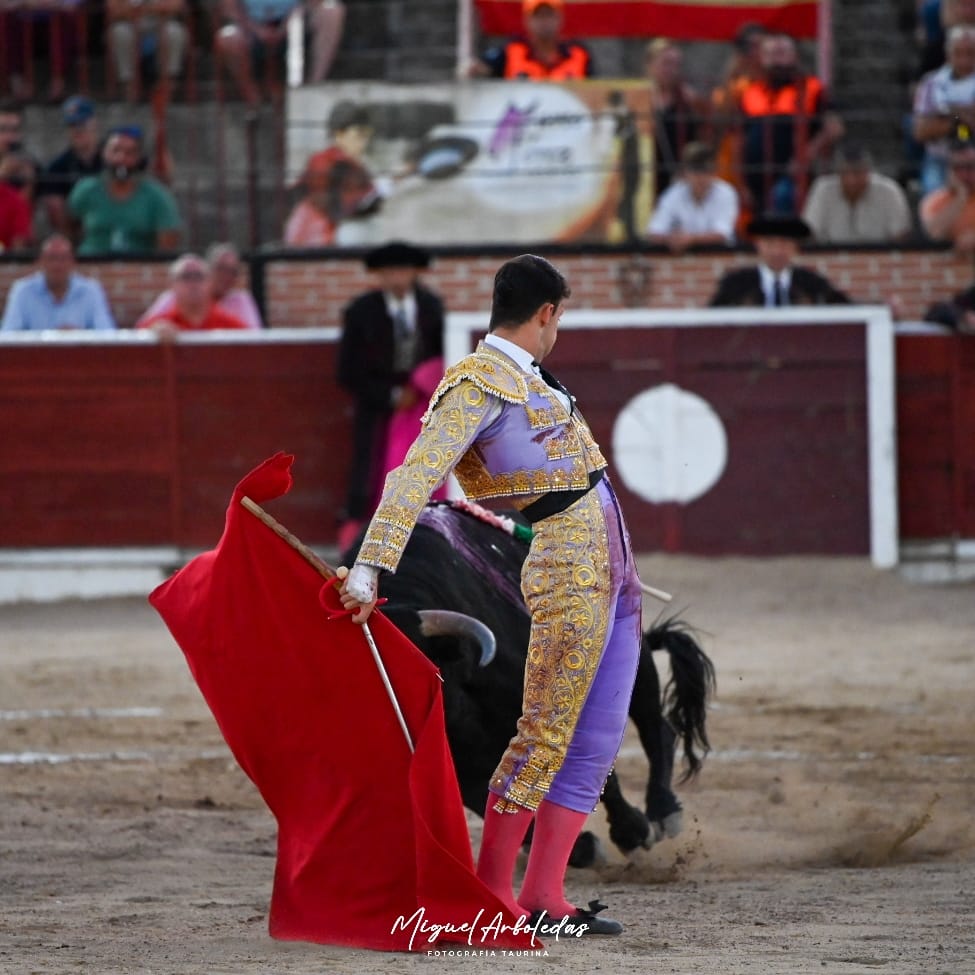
359, 590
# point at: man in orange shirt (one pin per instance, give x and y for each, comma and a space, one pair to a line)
541, 55
949, 213
195, 310
787, 125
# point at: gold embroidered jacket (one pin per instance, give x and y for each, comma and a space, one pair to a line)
503, 433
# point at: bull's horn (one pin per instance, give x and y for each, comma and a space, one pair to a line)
445, 622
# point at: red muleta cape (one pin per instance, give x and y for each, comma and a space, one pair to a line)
373, 848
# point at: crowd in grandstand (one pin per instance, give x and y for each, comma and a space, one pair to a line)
765, 139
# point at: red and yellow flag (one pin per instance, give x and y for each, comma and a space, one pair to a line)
703, 20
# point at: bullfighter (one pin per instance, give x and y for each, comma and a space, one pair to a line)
512, 435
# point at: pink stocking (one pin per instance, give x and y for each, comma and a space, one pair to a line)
556, 830
502, 838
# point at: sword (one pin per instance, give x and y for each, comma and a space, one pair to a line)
327, 572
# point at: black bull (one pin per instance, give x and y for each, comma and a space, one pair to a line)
456, 562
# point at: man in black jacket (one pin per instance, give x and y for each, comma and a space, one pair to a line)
386, 333
775, 281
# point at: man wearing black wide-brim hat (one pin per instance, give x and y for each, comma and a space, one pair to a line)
386, 333
776, 281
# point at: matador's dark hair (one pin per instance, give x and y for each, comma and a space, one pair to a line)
521, 286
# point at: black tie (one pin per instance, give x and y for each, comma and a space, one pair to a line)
550, 380
778, 294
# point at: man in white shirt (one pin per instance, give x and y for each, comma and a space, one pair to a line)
699, 208
856, 204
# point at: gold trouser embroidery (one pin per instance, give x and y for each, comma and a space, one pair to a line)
567, 587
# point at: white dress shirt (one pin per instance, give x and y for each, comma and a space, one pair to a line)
768, 277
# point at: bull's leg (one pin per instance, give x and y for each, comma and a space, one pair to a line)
658, 740
664, 810
628, 827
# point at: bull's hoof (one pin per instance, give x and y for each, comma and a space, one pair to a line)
632, 832
666, 815
668, 827
587, 852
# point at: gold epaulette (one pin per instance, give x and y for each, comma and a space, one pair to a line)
491, 372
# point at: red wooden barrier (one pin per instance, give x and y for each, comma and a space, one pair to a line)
121, 441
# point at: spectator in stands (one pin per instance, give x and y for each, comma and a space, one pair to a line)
12, 131
225, 267
856, 203
541, 55
21, 19
936, 18
339, 186
697, 209
776, 281
150, 34
386, 333
122, 210
253, 42
787, 127
679, 110
82, 157
744, 67
944, 97
949, 213
56, 296
194, 309
15, 210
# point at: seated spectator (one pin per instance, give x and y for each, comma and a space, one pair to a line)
936, 18
224, 263
856, 203
776, 281
679, 110
957, 314
699, 208
787, 127
15, 212
146, 34
82, 157
253, 42
948, 213
541, 55
194, 309
12, 131
942, 99
339, 186
122, 210
21, 19
56, 296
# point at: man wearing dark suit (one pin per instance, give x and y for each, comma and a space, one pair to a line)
386, 333
775, 281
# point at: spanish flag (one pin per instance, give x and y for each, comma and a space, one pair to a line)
701, 20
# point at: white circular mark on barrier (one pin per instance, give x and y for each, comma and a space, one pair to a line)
669, 445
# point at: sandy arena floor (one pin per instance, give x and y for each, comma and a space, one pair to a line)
831, 830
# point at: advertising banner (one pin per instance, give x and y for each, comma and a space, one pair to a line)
475, 162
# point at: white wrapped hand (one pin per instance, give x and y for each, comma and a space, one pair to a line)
359, 590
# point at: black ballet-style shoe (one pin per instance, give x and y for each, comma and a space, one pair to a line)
584, 922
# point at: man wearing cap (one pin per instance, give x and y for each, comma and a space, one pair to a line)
775, 281
386, 333
81, 158
122, 210
541, 55
512, 435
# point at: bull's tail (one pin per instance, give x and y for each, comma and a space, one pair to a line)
691, 686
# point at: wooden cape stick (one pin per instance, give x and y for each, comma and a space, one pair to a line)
327, 572
664, 597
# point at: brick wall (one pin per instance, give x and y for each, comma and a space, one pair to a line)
311, 292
